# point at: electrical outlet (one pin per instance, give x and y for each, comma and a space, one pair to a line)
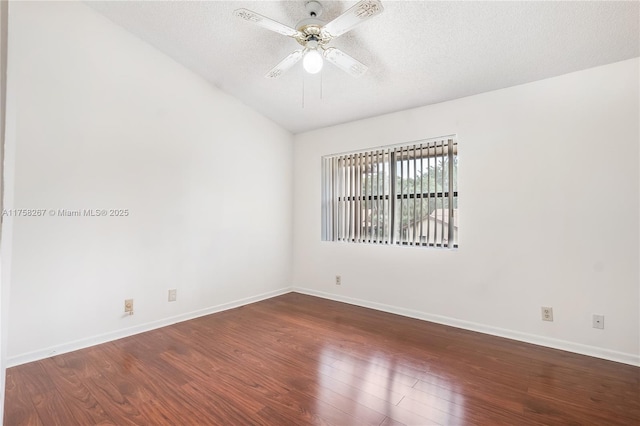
338, 280
173, 295
598, 321
547, 313
128, 306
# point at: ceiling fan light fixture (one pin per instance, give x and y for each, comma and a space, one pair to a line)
312, 61
314, 34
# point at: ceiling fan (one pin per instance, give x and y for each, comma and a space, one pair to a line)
314, 35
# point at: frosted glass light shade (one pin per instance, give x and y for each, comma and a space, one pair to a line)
312, 62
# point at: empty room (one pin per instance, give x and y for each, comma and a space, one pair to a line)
320, 212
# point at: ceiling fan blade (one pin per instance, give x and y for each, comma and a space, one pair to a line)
285, 64
345, 62
357, 14
265, 22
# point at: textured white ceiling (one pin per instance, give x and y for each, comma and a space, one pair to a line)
418, 52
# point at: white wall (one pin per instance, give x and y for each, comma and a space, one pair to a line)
3, 289
549, 213
106, 121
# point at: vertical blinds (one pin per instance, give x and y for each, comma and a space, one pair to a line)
404, 195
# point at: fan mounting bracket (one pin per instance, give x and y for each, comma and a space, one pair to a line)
313, 8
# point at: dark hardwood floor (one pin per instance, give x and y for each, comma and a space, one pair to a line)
296, 360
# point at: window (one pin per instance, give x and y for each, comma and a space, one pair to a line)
404, 195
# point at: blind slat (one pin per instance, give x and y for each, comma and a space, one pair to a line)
442, 197
401, 227
450, 165
421, 194
414, 222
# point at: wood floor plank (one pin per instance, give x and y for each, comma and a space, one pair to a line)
388, 374
285, 417
551, 412
78, 397
158, 397
390, 422
301, 360
472, 390
382, 391
52, 409
21, 411
440, 414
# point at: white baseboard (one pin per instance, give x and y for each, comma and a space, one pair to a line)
622, 357
593, 351
126, 332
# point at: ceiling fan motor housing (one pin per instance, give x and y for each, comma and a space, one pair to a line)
310, 28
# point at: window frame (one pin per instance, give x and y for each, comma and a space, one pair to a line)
350, 203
